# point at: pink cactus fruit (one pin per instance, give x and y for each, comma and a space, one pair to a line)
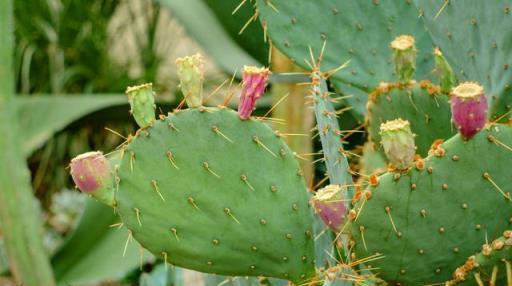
469, 108
253, 85
329, 204
90, 171
92, 174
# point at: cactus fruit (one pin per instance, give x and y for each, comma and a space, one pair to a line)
433, 217
92, 174
422, 104
329, 204
444, 72
398, 143
191, 74
142, 103
404, 56
253, 87
469, 108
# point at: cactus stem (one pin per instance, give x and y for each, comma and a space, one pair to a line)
257, 141
171, 158
488, 178
217, 131
154, 183
207, 167
128, 240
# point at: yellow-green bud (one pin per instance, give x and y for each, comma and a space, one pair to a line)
404, 56
142, 103
397, 140
191, 74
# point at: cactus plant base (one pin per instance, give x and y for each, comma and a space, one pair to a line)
208, 191
439, 214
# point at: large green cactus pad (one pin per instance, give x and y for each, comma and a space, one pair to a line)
476, 38
421, 104
210, 192
426, 221
359, 31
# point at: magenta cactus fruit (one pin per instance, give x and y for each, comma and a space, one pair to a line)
330, 206
92, 174
253, 86
398, 143
469, 108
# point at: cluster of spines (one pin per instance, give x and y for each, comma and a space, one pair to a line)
492, 254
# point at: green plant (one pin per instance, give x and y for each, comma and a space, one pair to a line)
28, 261
388, 220
202, 165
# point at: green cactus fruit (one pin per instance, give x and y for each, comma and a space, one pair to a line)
398, 143
191, 74
359, 31
443, 71
404, 57
208, 191
491, 265
92, 174
424, 221
142, 103
422, 104
475, 37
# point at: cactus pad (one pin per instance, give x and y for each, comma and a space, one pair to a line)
357, 30
475, 37
208, 191
426, 220
492, 264
426, 109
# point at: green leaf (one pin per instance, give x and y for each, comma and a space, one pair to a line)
94, 252
19, 218
251, 39
202, 24
40, 117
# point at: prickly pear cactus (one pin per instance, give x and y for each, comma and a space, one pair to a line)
475, 38
208, 191
492, 265
422, 104
359, 31
424, 221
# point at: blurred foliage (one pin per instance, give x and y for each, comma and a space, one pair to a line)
62, 46
241, 26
